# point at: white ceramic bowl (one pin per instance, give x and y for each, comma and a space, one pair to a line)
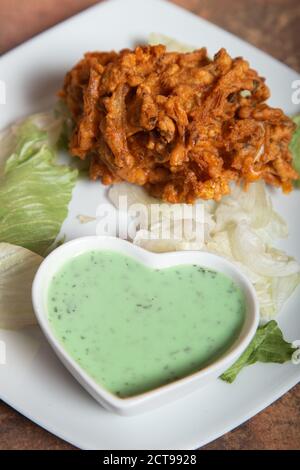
166, 393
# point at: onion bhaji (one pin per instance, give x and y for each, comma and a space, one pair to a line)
180, 124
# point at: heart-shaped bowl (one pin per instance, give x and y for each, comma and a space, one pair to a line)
166, 393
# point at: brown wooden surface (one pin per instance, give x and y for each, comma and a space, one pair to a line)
272, 25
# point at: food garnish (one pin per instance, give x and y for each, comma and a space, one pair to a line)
17, 270
34, 189
268, 345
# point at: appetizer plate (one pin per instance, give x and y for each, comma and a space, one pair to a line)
33, 380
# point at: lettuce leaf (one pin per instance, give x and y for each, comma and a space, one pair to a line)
268, 345
34, 190
17, 270
295, 146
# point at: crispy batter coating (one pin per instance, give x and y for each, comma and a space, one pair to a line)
180, 124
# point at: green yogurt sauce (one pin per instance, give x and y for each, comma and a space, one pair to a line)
133, 328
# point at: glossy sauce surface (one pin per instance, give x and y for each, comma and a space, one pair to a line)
133, 328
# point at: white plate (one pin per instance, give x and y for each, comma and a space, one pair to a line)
33, 381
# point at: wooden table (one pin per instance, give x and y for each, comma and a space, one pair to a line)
271, 25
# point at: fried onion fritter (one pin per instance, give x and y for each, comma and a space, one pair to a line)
180, 124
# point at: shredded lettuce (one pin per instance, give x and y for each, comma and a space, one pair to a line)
268, 345
295, 146
34, 190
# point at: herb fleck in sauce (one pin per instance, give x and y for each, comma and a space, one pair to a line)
133, 328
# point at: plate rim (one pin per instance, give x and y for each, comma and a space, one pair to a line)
195, 446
